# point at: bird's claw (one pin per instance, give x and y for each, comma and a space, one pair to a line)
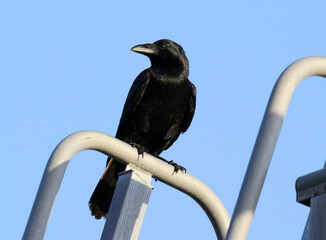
177, 167
141, 150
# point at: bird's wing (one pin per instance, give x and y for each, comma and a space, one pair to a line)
135, 95
189, 114
190, 110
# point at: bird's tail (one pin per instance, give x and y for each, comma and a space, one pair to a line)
101, 198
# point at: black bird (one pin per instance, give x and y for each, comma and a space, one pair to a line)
160, 106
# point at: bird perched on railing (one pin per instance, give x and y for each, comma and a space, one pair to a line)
160, 106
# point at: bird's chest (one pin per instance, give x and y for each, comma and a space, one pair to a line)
165, 100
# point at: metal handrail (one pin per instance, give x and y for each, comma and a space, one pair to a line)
266, 141
76, 142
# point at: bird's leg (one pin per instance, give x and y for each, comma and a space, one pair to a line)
141, 150
176, 166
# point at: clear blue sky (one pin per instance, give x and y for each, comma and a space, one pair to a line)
66, 66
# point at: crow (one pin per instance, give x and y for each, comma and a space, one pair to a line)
159, 107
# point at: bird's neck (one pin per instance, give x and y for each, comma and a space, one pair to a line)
170, 70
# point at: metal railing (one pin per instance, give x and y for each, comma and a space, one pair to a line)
266, 141
70, 146
153, 167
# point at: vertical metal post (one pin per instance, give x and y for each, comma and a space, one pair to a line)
266, 141
128, 205
306, 233
311, 191
318, 218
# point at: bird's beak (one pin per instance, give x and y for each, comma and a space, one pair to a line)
146, 49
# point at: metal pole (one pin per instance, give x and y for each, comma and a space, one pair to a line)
311, 192
306, 232
119, 150
128, 205
318, 218
266, 141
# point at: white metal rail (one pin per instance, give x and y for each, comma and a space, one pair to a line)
266, 141
76, 142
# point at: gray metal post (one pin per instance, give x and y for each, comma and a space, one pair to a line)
128, 205
318, 218
119, 150
311, 191
306, 232
266, 141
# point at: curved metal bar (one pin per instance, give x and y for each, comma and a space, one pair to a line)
76, 142
266, 141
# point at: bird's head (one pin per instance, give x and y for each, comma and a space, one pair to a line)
166, 56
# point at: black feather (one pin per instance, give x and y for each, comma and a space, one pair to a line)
159, 107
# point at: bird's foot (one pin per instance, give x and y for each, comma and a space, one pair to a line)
177, 167
141, 150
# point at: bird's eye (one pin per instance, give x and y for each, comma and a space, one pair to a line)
163, 46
